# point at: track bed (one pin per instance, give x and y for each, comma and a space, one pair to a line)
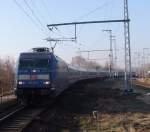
92, 107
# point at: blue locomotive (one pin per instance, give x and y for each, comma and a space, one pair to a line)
41, 73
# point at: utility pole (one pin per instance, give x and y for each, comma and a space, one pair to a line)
115, 53
88, 56
111, 66
136, 62
139, 64
145, 60
89, 51
79, 62
128, 71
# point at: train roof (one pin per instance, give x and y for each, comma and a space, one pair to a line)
40, 49
35, 55
76, 68
38, 52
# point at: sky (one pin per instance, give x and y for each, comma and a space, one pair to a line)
23, 26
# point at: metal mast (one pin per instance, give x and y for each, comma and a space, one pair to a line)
111, 66
128, 71
115, 53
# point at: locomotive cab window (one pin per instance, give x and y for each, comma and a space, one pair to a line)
34, 63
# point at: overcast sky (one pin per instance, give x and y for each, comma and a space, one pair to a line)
23, 25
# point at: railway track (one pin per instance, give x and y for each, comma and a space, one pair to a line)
19, 118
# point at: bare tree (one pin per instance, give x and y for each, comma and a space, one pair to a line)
7, 75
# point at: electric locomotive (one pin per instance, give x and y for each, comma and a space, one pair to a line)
36, 72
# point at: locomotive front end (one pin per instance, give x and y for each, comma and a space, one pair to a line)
34, 75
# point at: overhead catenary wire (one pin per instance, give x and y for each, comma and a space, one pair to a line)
94, 10
91, 12
33, 13
28, 15
54, 30
36, 19
38, 11
46, 10
46, 21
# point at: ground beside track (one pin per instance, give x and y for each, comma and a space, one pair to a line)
7, 104
74, 111
143, 86
145, 82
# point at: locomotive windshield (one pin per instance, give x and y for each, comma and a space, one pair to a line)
34, 63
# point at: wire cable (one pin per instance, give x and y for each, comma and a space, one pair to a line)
47, 11
91, 12
58, 32
94, 10
36, 9
24, 11
33, 13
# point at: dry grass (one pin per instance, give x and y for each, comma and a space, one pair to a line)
143, 81
130, 122
123, 115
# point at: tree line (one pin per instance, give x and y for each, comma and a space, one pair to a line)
7, 75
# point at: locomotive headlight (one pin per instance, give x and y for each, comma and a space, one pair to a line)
47, 82
20, 82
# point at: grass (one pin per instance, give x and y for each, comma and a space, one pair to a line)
117, 114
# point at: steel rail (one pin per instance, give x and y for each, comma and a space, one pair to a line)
19, 119
11, 113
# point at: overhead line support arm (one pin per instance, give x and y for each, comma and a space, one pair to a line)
87, 22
